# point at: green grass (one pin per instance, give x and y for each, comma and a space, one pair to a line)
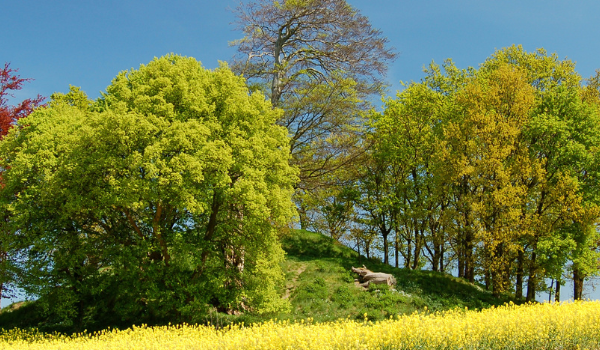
325, 288
320, 285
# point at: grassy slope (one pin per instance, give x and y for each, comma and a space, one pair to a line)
320, 285
325, 290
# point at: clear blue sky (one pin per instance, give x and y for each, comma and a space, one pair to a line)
86, 43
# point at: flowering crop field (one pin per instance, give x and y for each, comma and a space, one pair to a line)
532, 326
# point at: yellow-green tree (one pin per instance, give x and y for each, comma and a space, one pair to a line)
484, 146
158, 201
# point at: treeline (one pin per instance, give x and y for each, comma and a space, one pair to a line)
492, 172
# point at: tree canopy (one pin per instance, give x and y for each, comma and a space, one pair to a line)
320, 61
161, 197
491, 169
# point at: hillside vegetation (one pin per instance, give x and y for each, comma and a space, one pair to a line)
320, 286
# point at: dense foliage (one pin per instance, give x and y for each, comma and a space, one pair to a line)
493, 171
155, 202
10, 82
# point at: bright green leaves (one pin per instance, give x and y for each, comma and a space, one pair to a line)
168, 189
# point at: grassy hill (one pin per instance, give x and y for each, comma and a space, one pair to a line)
320, 285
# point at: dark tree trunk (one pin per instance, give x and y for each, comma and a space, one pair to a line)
466, 268
469, 266
396, 251
461, 264
557, 293
532, 279
80, 316
577, 284
438, 257
519, 276
408, 257
384, 235
416, 258
418, 247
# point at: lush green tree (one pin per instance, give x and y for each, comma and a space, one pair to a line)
157, 201
399, 179
562, 139
337, 211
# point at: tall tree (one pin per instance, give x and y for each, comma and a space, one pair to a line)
318, 60
561, 138
403, 140
160, 200
495, 107
9, 114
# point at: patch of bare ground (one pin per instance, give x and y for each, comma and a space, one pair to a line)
290, 286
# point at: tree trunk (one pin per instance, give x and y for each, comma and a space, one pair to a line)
302, 216
384, 235
418, 247
557, 293
577, 284
466, 268
532, 279
442, 267
461, 263
470, 266
408, 256
396, 251
278, 74
436, 257
519, 276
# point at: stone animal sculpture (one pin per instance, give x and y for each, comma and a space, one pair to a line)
367, 277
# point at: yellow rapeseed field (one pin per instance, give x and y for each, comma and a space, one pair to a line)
574, 325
